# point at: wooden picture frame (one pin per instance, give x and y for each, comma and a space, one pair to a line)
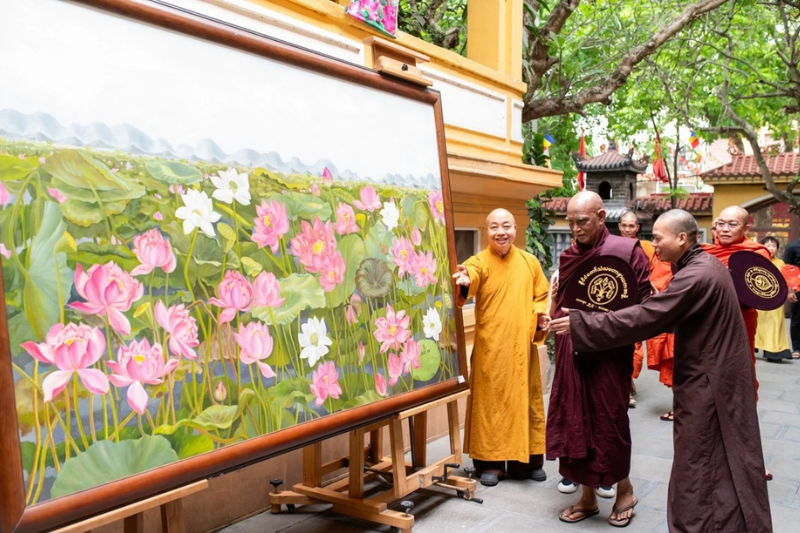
15, 515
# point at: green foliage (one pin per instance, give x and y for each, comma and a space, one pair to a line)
539, 241
441, 22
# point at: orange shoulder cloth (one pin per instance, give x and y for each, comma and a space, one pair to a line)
723, 253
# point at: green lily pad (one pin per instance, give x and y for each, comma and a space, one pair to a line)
353, 251
300, 291
413, 209
291, 390
306, 206
107, 461
85, 213
379, 241
429, 359
77, 170
214, 417
289, 182
174, 172
90, 253
13, 168
363, 399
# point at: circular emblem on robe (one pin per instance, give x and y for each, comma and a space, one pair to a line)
759, 284
601, 284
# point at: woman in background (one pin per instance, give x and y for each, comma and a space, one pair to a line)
771, 335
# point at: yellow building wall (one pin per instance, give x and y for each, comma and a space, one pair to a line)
735, 194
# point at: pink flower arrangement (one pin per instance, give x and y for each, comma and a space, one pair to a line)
5, 197
72, 349
327, 177
402, 253
255, 343
436, 203
182, 329
267, 291
395, 367
332, 271
57, 195
325, 382
390, 16
380, 385
152, 251
139, 364
410, 355
109, 291
313, 244
392, 330
424, 269
416, 236
345, 220
234, 294
270, 225
370, 201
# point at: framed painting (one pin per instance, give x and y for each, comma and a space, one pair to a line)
216, 247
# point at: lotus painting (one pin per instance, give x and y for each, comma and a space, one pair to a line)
202, 246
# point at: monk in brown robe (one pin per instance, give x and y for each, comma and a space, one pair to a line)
587, 426
717, 481
660, 349
629, 227
504, 430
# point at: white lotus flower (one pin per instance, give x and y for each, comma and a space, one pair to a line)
314, 340
197, 212
231, 186
390, 215
432, 324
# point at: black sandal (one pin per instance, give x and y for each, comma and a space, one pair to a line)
669, 417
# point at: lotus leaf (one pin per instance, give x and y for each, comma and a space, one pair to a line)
429, 360
301, 291
174, 172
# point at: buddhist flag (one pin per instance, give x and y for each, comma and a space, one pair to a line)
582, 175
694, 139
548, 141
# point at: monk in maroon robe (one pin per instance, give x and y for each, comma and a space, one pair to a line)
717, 481
587, 423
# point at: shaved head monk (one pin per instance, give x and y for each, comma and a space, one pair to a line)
587, 424
504, 431
717, 481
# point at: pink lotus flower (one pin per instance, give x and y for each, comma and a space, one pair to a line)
256, 344
362, 351
395, 368
153, 251
392, 330
158, 216
21, 156
139, 364
370, 201
176, 189
128, 165
267, 291
332, 271
390, 16
345, 220
436, 203
234, 294
57, 195
42, 160
182, 329
416, 236
220, 391
327, 177
373, 7
5, 252
5, 197
402, 255
380, 384
353, 309
325, 382
109, 291
424, 269
410, 355
313, 244
270, 224
72, 349
315, 189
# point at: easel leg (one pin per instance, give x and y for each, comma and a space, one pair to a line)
376, 445
312, 465
172, 517
356, 485
398, 457
455, 430
420, 422
134, 524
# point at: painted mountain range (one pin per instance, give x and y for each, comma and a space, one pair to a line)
128, 138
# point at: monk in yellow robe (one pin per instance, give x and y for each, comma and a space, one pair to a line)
505, 422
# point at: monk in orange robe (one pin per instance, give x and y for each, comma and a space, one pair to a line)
660, 349
731, 237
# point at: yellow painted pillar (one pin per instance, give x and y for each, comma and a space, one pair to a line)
494, 35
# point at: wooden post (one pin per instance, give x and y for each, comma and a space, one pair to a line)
172, 517
398, 457
420, 422
455, 431
356, 486
376, 445
312, 465
134, 524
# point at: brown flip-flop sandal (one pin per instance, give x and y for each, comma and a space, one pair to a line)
625, 521
585, 513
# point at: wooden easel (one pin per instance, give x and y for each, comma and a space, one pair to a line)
364, 464
171, 504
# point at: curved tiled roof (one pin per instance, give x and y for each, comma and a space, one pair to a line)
609, 161
698, 202
745, 166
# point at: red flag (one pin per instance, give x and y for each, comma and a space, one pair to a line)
659, 168
582, 175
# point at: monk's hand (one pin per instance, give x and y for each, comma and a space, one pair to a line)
653, 289
560, 326
461, 276
542, 321
792, 297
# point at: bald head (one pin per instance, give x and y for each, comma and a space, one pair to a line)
586, 217
629, 225
674, 232
732, 225
501, 230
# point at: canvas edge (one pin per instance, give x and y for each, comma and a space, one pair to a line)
15, 517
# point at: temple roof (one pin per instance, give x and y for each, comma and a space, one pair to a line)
655, 204
742, 166
610, 161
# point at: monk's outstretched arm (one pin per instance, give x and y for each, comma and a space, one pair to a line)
474, 269
660, 313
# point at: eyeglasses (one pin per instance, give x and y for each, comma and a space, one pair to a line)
733, 224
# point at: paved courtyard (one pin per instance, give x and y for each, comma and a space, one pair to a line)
531, 506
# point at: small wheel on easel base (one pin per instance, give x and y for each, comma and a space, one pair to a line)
396, 529
290, 507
